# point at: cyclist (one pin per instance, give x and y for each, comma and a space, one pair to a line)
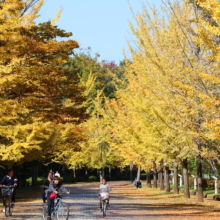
9, 180
54, 187
57, 174
106, 187
137, 183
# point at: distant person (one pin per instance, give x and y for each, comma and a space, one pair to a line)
137, 183
46, 184
54, 187
106, 188
10, 180
50, 175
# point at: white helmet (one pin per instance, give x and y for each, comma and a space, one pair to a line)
57, 174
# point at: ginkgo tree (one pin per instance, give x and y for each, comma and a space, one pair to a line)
40, 100
96, 152
170, 85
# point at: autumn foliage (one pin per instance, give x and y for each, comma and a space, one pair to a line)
39, 100
161, 106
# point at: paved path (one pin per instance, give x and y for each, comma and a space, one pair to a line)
84, 204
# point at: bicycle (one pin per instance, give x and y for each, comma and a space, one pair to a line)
7, 192
103, 195
61, 210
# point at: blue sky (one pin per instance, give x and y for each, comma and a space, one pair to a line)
99, 24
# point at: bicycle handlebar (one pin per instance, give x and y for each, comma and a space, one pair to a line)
12, 186
60, 193
104, 190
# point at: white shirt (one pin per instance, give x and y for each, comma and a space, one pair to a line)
105, 187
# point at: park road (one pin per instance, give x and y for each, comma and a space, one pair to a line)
125, 204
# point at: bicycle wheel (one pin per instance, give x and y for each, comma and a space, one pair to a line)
45, 212
10, 206
104, 208
63, 211
10, 210
6, 207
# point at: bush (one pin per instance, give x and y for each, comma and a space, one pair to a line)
210, 184
92, 178
39, 181
206, 183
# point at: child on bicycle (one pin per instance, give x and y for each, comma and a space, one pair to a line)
54, 187
104, 186
9, 180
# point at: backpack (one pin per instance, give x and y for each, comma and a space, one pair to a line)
53, 196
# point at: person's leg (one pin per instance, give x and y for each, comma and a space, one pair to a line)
49, 203
52, 205
44, 197
13, 198
108, 199
100, 203
3, 204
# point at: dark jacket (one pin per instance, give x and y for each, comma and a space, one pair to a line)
53, 187
9, 181
46, 182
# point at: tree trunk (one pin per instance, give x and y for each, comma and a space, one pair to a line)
101, 174
64, 173
139, 173
148, 179
118, 174
74, 174
176, 188
167, 178
86, 173
34, 174
25, 174
164, 175
110, 172
155, 174
186, 179
121, 170
131, 171
199, 177
161, 176
98, 174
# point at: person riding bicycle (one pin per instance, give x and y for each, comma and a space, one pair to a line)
46, 184
9, 180
54, 187
57, 174
137, 183
104, 186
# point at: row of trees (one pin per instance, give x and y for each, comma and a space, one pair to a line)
41, 103
158, 109
169, 109
47, 94
166, 107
